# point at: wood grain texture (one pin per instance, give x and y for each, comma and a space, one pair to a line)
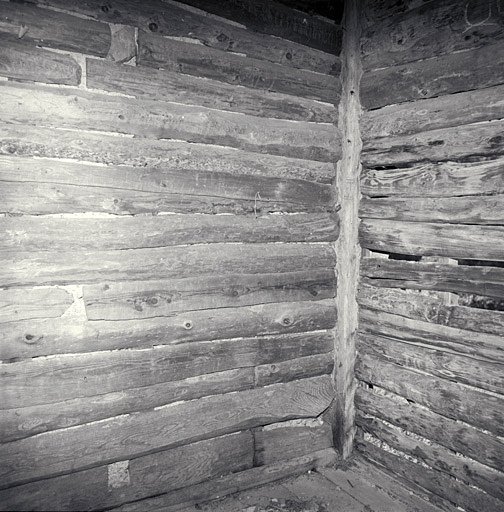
38, 105
182, 88
20, 61
453, 210
147, 476
108, 149
446, 74
442, 396
487, 281
439, 458
376, 10
456, 436
69, 335
436, 179
93, 444
198, 60
432, 239
430, 114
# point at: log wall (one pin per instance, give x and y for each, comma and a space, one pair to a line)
430, 399
168, 220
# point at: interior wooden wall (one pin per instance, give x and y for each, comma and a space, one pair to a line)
430, 400
167, 233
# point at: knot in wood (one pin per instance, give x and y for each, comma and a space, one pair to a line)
287, 320
188, 325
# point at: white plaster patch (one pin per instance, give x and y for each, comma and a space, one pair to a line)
118, 474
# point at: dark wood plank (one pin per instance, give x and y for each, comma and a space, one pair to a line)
76, 109
456, 436
446, 74
454, 210
431, 239
430, 308
22, 62
437, 457
28, 421
143, 477
66, 450
442, 396
487, 281
108, 149
53, 29
436, 179
32, 338
174, 86
375, 10
50, 267
431, 114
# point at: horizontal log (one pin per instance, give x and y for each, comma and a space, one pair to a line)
198, 60
446, 74
453, 210
172, 19
69, 335
292, 369
28, 421
22, 62
81, 447
377, 10
442, 486
431, 114
107, 149
481, 346
487, 281
50, 380
436, 179
436, 457
430, 308
39, 105
430, 30
434, 361
431, 239
181, 88
55, 29
453, 435
144, 477
454, 143
444, 397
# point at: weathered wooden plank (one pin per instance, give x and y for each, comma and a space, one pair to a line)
291, 439
487, 281
442, 396
436, 457
49, 380
178, 500
456, 436
430, 30
454, 210
172, 19
434, 361
431, 239
376, 10
28, 421
430, 114
39, 105
430, 308
22, 62
441, 485
173, 86
27, 304
143, 477
107, 149
446, 74
75, 335
436, 179
454, 143
198, 60
301, 368
66, 450
480, 345
54, 29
